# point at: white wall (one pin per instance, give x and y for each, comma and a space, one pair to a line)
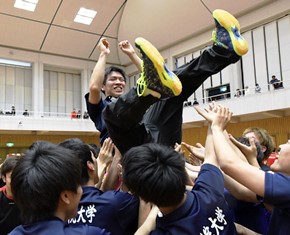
21, 123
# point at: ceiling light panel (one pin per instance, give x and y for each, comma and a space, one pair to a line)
85, 16
28, 5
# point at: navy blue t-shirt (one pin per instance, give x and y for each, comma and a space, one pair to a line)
95, 113
56, 226
9, 214
115, 211
205, 210
277, 193
251, 215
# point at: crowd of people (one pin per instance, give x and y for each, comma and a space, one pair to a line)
11, 113
78, 114
74, 114
140, 181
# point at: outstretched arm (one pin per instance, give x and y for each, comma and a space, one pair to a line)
239, 191
196, 153
128, 49
113, 172
105, 157
210, 155
97, 78
231, 164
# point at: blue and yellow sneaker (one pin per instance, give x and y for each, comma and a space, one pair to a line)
227, 33
155, 75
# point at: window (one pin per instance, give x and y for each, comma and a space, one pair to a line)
219, 92
62, 92
15, 88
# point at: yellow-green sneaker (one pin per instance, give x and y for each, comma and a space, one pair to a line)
227, 33
155, 74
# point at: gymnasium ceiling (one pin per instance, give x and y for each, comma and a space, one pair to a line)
50, 28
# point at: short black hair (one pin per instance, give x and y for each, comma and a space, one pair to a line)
95, 149
9, 164
83, 152
40, 176
111, 69
156, 173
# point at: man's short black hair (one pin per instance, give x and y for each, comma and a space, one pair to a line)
156, 173
111, 69
95, 149
84, 153
9, 164
40, 176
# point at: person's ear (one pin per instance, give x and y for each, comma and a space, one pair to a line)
64, 197
3, 178
263, 148
103, 88
120, 169
90, 166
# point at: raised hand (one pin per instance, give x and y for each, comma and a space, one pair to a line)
196, 151
106, 152
208, 114
222, 117
104, 46
250, 152
217, 115
178, 148
126, 47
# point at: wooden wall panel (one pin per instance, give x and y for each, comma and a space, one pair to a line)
22, 142
279, 128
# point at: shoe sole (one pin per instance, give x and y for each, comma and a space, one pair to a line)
167, 78
231, 24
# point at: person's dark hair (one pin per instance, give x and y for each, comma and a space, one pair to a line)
83, 152
95, 149
9, 164
111, 69
156, 173
40, 176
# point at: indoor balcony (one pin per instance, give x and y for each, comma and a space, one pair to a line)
254, 106
269, 103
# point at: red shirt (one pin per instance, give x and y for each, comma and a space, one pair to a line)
2, 188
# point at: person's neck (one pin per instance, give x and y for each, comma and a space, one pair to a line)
169, 209
90, 183
60, 214
8, 193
